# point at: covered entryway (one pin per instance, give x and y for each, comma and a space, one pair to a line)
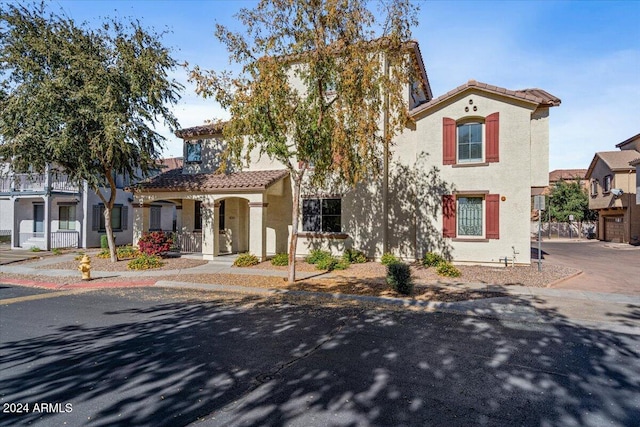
217, 214
614, 229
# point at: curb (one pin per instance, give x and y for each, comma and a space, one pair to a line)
564, 279
79, 285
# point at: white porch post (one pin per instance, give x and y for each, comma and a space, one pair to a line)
178, 219
47, 222
258, 230
140, 221
210, 244
15, 226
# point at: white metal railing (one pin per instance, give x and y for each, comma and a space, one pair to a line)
24, 182
65, 239
189, 242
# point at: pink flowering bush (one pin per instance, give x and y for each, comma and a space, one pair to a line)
155, 243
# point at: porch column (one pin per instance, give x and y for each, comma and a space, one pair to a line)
258, 229
210, 242
141, 216
15, 227
178, 219
47, 222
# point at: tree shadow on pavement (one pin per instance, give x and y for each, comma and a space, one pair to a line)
278, 363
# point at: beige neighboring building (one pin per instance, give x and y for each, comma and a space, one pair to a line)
459, 182
612, 190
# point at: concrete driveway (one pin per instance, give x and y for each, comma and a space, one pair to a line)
607, 267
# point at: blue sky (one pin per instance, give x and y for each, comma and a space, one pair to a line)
587, 53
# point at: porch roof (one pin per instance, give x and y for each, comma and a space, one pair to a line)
175, 180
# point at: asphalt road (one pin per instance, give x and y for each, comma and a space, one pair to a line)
159, 357
606, 267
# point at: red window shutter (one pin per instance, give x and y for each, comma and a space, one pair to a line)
492, 206
492, 125
448, 215
448, 141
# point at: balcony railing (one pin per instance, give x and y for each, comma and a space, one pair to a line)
37, 183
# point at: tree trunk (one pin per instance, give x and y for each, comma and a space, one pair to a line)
108, 206
295, 214
109, 231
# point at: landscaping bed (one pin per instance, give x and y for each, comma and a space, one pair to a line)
105, 264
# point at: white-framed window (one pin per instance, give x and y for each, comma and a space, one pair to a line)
193, 151
67, 217
322, 215
606, 187
470, 216
594, 187
470, 142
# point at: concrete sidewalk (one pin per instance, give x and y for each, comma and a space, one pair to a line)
540, 306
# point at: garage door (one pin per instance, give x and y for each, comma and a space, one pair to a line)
614, 229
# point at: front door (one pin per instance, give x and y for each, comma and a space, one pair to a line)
38, 218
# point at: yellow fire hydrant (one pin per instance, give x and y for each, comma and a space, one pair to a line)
85, 268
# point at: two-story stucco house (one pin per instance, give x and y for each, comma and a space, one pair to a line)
458, 181
612, 189
48, 211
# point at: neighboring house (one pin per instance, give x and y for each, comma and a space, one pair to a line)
48, 211
636, 163
459, 182
612, 190
567, 175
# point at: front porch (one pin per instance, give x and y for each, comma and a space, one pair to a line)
224, 216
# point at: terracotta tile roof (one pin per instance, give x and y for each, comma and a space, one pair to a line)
203, 130
175, 180
566, 174
537, 96
635, 162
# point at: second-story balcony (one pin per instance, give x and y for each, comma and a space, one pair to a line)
37, 183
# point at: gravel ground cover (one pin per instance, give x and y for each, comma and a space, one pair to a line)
358, 279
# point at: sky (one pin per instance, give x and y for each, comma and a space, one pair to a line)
587, 53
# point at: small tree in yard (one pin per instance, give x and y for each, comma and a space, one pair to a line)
352, 69
570, 198
82, 99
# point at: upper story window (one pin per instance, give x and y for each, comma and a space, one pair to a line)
322, 215
594, 187
193, 151
470, 142
606, 187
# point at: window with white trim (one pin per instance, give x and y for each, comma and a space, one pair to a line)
470, 216
470, 141
322, 215
606, 187
193, 151
594, 187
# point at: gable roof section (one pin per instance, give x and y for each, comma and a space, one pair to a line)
566, 174
616, 161
533, 96
208, 129
175, 180
628, 141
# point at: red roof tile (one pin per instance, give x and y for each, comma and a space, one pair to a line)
566, 174
175, 180
537, 96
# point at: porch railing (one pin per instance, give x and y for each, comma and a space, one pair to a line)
65, 239
189, 242
36, 183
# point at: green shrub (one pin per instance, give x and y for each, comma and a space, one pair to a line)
104, 242
126, 252
447, 269
399, 277
318, 255
388, 259
432, 259
328, 263
342, 264
35, 249
145, 262
280, 259
354, 256
104, 253
56, 251
246, 260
